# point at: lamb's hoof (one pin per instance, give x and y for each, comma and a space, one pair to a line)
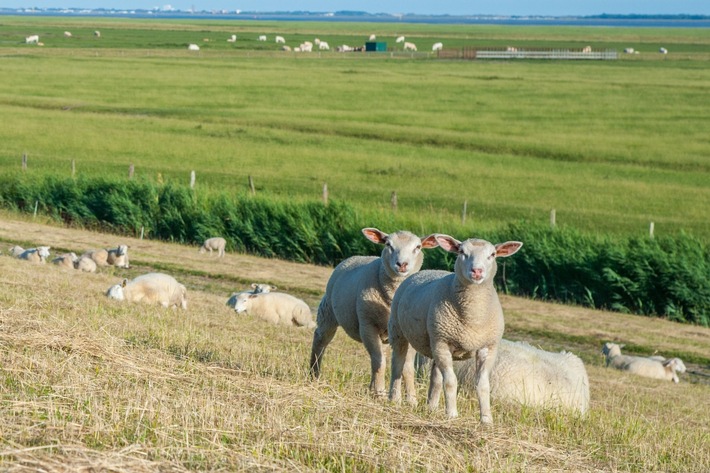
487, 421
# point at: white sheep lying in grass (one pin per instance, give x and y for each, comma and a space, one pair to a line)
449, 316
217, 244
36, 255
16, 251
66, 260
276, 308
650, 367
533, 377
155, 288
85, 264
112, 257
358, 296
256, 288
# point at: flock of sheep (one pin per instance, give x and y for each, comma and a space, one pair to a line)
449, 323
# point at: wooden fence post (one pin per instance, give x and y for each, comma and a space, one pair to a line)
192, 179
325, 194
35, 212
73, 168
131, 168
393, 201
463, 214
553, 218
142, 229
251, 186
650, 229
24, 161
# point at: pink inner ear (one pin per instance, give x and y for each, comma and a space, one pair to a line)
375, 235
430, 242
448, 243
508, 248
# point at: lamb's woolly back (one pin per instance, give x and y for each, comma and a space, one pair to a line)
649, 367
156, 288
275, 307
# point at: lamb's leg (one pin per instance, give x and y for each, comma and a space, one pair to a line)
322, 336
485, 359
408, 376
400, 347
370, 336
446, 367
435, 385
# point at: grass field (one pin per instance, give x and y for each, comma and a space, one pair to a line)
87, 383
610, 145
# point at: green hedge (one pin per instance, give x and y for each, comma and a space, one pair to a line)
668, 276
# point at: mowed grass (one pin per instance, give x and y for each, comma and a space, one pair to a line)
87, 383
611, 146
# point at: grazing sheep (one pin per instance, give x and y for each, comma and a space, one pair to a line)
32, 39
629, 50
286, 48
663, 51
256, 288
85, 264
276, 308
437, 46
66, 260
650, 367
587, 49
262, 37
533, 377
400, 39
193, 47
358, 296
155, 288
323, 46
232, 39
110, 257
216, 243
280, 39
67, 34
36, 255
373, 37
16, 251
97, 33
449, 316
410, 46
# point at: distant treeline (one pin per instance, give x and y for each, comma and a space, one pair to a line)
665, 276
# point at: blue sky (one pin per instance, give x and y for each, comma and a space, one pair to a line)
451, 7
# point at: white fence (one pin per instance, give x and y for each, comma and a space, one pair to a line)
608, 54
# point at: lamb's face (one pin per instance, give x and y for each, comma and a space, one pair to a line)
121, 250
611, 349
402, 254
115, 292
43, 252
242, 302
476, 261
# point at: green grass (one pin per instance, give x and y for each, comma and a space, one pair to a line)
611, 146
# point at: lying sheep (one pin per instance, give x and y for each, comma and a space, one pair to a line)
533, 377
110, 257
36, 255
66, 260
256, 288
217, 243
358, 296
16, 251
155, 288
85, 264
449, 316
276, 308
650, 367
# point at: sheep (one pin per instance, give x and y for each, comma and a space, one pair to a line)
67, 34
280, 39
358, 296
437, 46
449, 316
663, 51
36, 255
276, 308
155, 288
629, 50
32, 39
215, 243
587, 49
262, 37
533, 377
400, 39
193, 47
232, 39
286, 48
410, 46
110, 257
323, 46
256, 288
651, 367
16, 251
97, 34
373, 37
85, 264
66, 260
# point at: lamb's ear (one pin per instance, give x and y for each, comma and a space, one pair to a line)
273, 288
253, 285
375, 235
124, 282
430, 241
508, 248
447, 242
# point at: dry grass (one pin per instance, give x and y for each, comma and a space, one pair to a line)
91, 385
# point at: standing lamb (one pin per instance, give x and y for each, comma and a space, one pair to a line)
112, 257
449, 316
358, 297
216, 243
276, 308
651, 367
410, 46
155, 288
66, 260
36, 255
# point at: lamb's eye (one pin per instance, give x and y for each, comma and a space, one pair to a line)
493, 255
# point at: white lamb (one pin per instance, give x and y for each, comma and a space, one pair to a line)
32, 39
232, 39
214, 244
67, 34
373, 37
110, 257
276, 308
155, 288
262, 37
437, 46
650, 367
534, 377
66, 260
280, 39
36, 255
256, 288
449, 316
400, 39
16, 251
85, 264
358, 297
323, 46
410, 46
193, 47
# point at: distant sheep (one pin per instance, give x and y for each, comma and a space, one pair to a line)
276, 308
280, 39
663, 51
400, 39
410, 46
65, 260
358, 296
36, 255
232, 39
323, 46
256, 288
437, 46
629, 50
97, 34
587, 49
67, 34
217, 244
154, 288
262, 38
112, 257
33, 39
373, 37
285, 48
193, 47
650, 367
85, 264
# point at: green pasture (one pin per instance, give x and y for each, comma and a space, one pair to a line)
611, 146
